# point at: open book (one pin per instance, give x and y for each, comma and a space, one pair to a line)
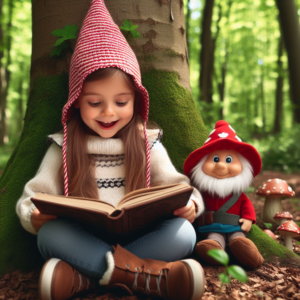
136, 211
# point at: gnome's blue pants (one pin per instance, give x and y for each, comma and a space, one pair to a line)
170, 241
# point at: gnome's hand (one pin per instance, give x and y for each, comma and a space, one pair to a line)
246, 224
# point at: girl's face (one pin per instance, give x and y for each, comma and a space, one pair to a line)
106, 105
222, 164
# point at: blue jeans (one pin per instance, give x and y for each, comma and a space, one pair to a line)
69, 241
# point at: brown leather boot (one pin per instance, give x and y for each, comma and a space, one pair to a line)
180, 280
60, 281
246, 252
203, 247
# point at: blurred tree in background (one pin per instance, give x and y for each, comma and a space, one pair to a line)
244, 68
15, 52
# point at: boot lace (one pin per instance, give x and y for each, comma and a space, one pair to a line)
147, 283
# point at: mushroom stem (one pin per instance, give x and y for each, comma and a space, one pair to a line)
288, 242
272, 206
281, 221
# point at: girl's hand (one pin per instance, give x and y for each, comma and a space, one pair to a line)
246, 224
187, 212
38, 219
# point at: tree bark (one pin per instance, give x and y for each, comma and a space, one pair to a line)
279, 90
4, 71
206, 53
161, 52
187, 27
222, 83
2, 81
291, 35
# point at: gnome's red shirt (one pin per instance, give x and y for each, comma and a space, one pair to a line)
243, 207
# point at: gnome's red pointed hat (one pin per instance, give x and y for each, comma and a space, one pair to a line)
223, 137
101, 45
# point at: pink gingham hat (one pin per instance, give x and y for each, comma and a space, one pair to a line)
101, 45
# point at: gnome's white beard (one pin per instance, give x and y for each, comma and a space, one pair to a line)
226, 186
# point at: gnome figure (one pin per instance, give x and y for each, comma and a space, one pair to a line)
222, 169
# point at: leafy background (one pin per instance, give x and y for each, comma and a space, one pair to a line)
247, 40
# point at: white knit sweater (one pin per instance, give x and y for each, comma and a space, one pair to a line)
109, 174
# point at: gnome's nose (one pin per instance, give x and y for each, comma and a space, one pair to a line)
221, 166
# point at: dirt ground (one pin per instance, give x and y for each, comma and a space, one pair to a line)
273, 280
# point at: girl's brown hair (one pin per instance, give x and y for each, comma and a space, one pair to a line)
81, 167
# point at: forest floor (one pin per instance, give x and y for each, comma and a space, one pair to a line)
273, 280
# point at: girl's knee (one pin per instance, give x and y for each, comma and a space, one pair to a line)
186, 232
183, 234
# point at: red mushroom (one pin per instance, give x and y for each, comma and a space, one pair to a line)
270, 234
282, 217
289, 230
273, 190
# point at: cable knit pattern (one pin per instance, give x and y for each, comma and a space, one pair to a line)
109, 174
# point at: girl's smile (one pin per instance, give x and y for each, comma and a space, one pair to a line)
107, 125
106, 105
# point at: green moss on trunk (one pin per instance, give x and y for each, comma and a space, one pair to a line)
173, 109
268, 247
49, 94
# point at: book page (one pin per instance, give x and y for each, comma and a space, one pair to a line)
83, 203
145, 195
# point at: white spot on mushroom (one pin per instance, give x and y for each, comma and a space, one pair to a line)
263, 187
274, 187
212, 132
231, 128
290, 189
269, 180
268, 192
223, 135
281, 192
207, 140
238, 138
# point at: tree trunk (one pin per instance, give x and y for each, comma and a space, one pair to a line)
2, 81
20, 105
187, 27
205, 80
4, 71
222, 82
262, 96
161, 52
279, 90
291, 35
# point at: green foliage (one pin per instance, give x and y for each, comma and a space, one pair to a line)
238, 273
127, 26
64, 34
268, 225
220, 256
230, 271
17, 61
280, 152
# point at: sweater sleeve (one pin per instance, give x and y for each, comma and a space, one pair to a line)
247, 209
163, 172
45, 181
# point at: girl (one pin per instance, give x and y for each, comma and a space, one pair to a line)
106, 152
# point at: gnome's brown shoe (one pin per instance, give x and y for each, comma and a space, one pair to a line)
180, 280
202, 248
60, 281
246, 252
